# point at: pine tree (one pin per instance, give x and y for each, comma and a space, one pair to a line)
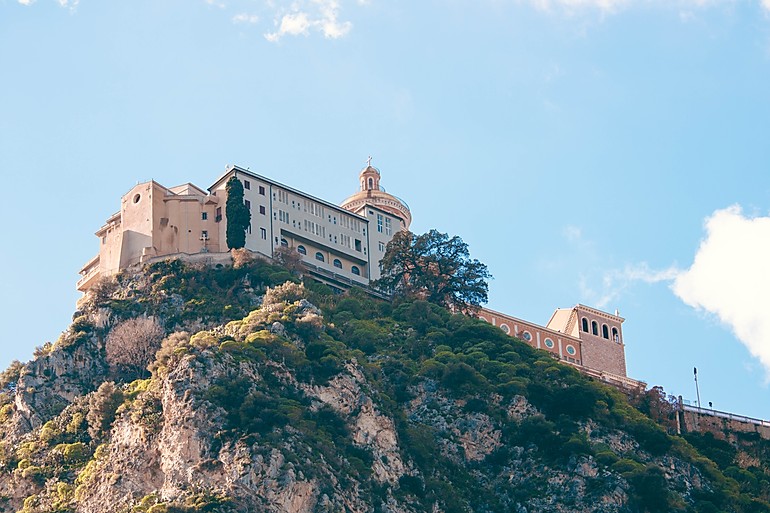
238, 216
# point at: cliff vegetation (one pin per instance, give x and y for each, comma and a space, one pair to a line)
234, 389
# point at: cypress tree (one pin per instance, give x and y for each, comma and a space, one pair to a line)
238, 216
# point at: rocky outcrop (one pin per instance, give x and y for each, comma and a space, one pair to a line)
283, 411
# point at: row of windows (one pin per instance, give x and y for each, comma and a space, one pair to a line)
384, 223
320, 257
595, 330
548, 342
247, 186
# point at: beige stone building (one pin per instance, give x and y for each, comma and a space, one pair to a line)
342, 245
583, 336
339, 245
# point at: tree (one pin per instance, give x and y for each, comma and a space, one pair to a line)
102, 406
289, 258
435, 267
238, 216
132, 344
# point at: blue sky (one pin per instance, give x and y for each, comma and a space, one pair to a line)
608, 152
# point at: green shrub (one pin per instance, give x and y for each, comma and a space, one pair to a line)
11, 374
49, 433
73, 453
606, 458
102, 407
6, 412
626, 466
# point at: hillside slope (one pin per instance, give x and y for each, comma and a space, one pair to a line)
292, 399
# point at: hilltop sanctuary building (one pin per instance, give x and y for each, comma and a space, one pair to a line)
339, 245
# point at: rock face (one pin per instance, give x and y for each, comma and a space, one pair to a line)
283, 411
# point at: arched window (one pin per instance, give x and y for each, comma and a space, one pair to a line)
319, 256
615, 335
594, 328
355, 270
585, 324
605, 331
301, 250
371, 183
284, 242
337, 263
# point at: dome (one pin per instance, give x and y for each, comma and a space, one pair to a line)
371, 193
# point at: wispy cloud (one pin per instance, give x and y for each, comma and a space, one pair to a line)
243, 17
616, 281
609, 6
67, 4
321, 16
730, 277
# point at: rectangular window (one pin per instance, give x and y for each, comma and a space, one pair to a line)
219, 214
381, 246
205, 235
283, 216
379, 223
283, 196
263, 233
262, 209
314, 208
246, 184
204, 216
388, 228
358, 245
248, 204
262, 190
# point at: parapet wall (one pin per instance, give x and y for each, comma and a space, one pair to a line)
720, 424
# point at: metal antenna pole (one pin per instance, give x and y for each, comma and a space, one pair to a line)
697, 392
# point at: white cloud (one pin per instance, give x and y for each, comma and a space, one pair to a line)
766, 5
26, 2
729, 278
246, 18
316, 15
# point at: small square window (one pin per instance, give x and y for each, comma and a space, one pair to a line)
204, 215
262, 209
262, 190
246, 184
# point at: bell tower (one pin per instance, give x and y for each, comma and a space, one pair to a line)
369, 177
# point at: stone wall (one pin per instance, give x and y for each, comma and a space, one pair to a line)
721, 424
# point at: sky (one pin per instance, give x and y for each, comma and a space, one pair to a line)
607, 152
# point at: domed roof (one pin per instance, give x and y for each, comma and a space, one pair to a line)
371, 193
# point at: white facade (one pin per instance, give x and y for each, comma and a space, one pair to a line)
335, 242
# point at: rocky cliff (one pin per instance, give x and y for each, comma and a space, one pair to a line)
294, 399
